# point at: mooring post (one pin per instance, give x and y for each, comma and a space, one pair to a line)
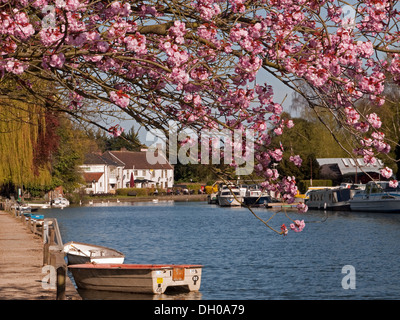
61, 274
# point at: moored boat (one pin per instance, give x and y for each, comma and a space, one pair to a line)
212, 198
378, 196
329, 198
229, 196
136, 278
256, 197
332, 198
60, 202
78, 253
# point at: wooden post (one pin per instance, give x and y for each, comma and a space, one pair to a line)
46, 254
61, 274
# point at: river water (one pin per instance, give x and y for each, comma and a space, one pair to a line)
242, 258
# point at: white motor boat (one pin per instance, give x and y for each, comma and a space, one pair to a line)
256, 197
78, 253
229, 196
378, 196
60, 202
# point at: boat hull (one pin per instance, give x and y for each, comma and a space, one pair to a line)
378, 196
229, 201
390, 206
257, 201
78, 253
212, 198
134, 278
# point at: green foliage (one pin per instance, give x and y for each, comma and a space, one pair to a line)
311, 140
19, 136
73, 146
106, 142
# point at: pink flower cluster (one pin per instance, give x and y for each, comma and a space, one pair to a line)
297, 226
208, 9
120, 98
387, 172
116, 130
296, 160
13, 66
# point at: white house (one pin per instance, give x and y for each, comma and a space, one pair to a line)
101, 174
123, 169
144, 174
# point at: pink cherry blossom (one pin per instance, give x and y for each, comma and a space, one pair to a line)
136, 43
13, 66
374, 120
57, 60
393, 183
116, 130
119, 98
297, 226
386, 172
296, 160
284, 230
302, 207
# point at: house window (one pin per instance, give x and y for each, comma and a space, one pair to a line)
135, 173
143, 172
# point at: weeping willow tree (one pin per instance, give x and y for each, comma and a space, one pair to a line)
24, 149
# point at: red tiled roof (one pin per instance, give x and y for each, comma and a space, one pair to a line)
90, 176
135, 159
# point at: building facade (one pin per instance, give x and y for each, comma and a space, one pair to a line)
101, 174
349, 170
125, 169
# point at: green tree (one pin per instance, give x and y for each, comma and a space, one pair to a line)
106, 142
74, 144
310, 140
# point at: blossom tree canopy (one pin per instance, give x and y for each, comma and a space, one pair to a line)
196, 62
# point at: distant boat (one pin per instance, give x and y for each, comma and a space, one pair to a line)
60, 202
78, 253
24, 209
256, 197
378, 196
136, 278
36, 206
332, 198
229, 196
212, 198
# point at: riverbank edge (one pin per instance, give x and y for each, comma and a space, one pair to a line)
178, 198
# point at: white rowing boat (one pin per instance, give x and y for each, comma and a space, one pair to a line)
78, 253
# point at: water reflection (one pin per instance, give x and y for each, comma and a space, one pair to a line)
107, 203
110, 295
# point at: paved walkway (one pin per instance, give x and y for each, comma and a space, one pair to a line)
21, 262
